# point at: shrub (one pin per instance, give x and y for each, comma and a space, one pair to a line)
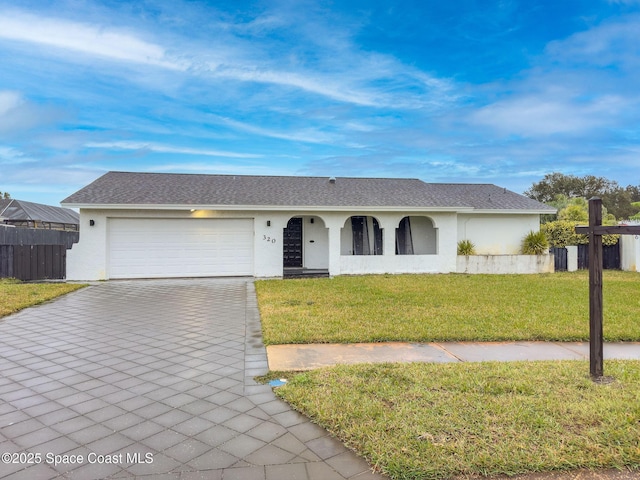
562, 233
535, 243
466, 247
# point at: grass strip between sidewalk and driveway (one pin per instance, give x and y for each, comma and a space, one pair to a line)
445, 307
437, 421
16, 295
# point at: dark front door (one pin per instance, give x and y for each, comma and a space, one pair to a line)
292, 244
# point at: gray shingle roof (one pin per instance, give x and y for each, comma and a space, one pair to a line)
20, 210
126, 188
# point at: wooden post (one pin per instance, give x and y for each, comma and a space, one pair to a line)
595, 290
595, 230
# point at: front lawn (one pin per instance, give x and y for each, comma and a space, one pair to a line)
16, 295
435, 421
454, 307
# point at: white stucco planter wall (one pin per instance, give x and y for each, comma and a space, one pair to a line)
505, 264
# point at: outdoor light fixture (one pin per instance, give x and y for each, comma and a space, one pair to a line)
92, 223
268, 223
311, 221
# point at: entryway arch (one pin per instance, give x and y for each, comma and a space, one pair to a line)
416, 235
361, 235
305, 245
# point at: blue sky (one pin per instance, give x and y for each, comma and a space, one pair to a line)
464, 91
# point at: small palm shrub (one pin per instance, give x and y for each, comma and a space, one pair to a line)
466, 247
535, 243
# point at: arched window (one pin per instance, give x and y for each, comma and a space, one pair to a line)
361, 235
416, 236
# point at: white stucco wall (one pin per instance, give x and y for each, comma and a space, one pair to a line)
505, 264
87, 259
323, 242
496, 234
315, 242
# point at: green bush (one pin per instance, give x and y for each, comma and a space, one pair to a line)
535, 243
466, 247
563, 232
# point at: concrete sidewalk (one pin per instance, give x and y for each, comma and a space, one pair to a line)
309, 357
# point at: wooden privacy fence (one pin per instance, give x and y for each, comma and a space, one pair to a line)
34, 254
33, 262
611, 258
36, 236
559, 258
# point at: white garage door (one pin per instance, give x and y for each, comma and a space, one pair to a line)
186, 247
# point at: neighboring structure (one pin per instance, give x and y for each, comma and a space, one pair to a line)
35, 215
144, 225
34, 239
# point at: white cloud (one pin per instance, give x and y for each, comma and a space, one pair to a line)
9, 101
612, 42
159, 148
13, 156
215, 168
310, 135
576, 88
325, 86
346, 74
89, 39
18, 115
625, 2
535, 115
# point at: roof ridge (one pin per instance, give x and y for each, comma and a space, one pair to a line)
8, 205
259, 176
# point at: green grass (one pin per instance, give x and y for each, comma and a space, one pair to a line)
452, 307
16, 295
435, 421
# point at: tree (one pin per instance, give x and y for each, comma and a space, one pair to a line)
5, 195
557, 189
554, 184
619, 202
634, 192
574, 213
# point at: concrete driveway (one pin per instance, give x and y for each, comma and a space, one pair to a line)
152, 379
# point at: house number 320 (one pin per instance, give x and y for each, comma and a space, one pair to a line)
268, 239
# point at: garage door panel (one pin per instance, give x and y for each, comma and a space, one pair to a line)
147, 248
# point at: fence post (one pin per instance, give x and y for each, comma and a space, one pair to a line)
595, 289
572, 258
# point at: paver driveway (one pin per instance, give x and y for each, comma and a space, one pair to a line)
152, 378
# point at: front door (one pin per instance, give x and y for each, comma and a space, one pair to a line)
292, 244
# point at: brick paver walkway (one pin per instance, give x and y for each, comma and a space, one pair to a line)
152, 379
